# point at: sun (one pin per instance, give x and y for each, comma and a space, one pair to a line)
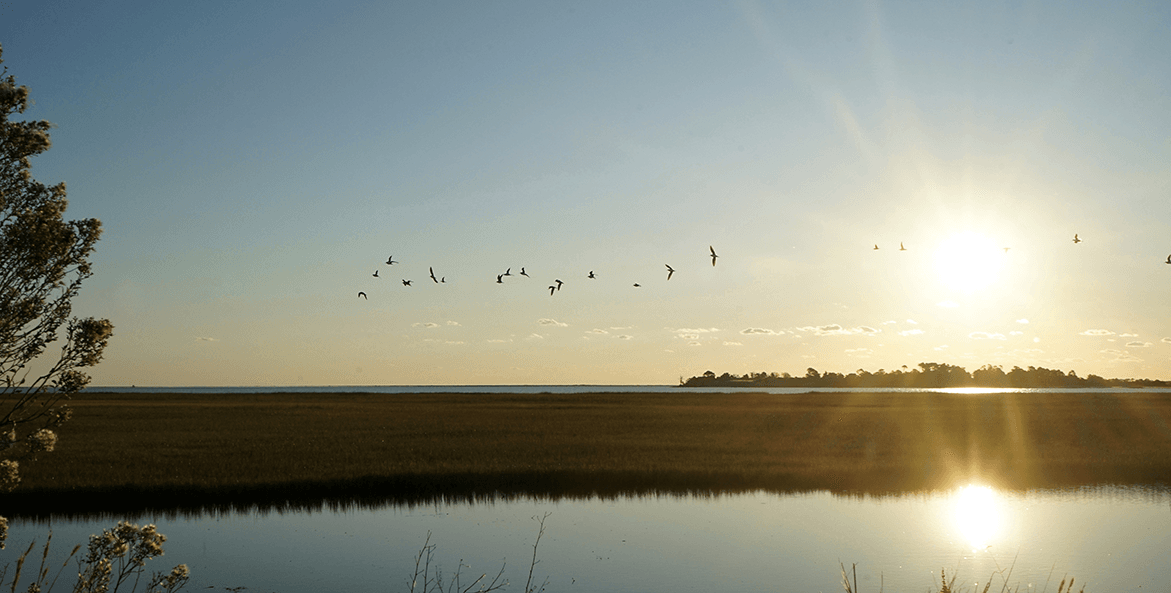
969, 261
978, 516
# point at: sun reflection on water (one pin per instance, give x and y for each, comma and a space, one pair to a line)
978, 515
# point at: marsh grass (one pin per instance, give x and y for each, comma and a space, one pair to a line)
144, 451
949, 585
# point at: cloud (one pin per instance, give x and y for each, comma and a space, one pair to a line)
453, 323
1166, 340
1097, 332
1138, 344
1022, 320
694, 344
985, 336
427, 325
733, 344
443, 341
686, 330
912, 322
499, 341
206, 339
761, 331
547, 321
834, 329
892, 322
947, 304
624, 337
1128, 335
1120, 356
688, 336
535, 337
597, 331
911, 332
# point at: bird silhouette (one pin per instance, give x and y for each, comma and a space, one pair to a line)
375, 273
552, 289
591, 275
406, 282
363, 295
443, 279
876, 246
508, 272
558, 284
1006, 249
901, 248
432, 270
670, 271
1075, 239
1169, 259
390, 261
522, 273
714, 256
500, 278
637, 285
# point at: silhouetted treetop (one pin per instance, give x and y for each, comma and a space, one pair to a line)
925, 375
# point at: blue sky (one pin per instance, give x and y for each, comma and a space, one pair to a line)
254, 163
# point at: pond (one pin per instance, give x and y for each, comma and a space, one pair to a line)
1110, 539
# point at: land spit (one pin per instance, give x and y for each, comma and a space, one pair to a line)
134, 452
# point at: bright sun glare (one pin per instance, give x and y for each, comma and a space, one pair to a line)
969, 261
978, 515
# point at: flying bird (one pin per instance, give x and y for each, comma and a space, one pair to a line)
390, 261
1006, 249
406, 282
637, 285
1075, 239
1169, 259
876, 247
714, 256
559, 283
443, 279
522, 273
500, 278
375, 273
508, 272
432, 270
552, 289
901, 248
591, 275
670, 271
363, 295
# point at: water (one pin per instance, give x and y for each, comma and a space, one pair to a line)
1112, 539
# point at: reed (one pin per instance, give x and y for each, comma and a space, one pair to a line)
161, 451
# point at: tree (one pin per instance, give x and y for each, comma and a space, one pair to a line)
43, 261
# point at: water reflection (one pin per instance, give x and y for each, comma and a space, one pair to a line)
978, 515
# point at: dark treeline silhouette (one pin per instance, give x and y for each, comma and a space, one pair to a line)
927, 375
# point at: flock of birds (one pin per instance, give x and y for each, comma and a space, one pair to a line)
553, 288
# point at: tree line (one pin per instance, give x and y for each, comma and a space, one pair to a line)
925, 375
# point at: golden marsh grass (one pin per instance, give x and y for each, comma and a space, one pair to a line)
156, 450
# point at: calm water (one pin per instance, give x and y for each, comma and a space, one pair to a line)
1111, 539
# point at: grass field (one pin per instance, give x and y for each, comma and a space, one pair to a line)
125, 452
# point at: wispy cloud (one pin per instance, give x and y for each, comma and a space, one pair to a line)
1166, 340
427, 325
206, 339
1138, 344
689, 330
1121, 356
834, 329
912, 322
624, 337
760, 331
553, 322
986, 336
911, 332
733, 344
694, 344
535, 337
1016, 333
1097, 332
1022, 320
597, 331
498, 341
455, 323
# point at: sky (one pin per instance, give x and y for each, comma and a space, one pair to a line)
254, 163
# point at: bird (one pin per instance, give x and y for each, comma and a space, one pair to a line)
1006, 249
375, 273
390, 261
591, 275
406, 282
714, 256
876, 247
363, 295
432, 270
522, 273
558, 284
901, 248
670, 271
500, 278
443, 279
637, 285
508, 272
552, 289
1075, 239
1169, 259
